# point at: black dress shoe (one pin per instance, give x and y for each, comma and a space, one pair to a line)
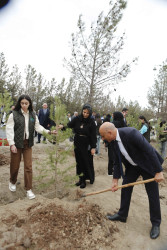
116, 217
91, 181
83, 185
155, 231
38, 142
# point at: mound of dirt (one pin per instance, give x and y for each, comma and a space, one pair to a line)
4, 160
56, 227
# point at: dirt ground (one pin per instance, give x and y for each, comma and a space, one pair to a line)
70, 221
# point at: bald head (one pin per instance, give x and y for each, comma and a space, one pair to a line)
108, 131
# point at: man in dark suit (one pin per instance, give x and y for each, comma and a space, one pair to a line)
44, 120
139, 158
125, 112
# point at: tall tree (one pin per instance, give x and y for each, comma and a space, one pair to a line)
31, 76
50, 91
157, 94
14, 85
39, 93
35, 86
3, 72
5, 101
95, 62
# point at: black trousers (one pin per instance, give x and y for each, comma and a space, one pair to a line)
131, 175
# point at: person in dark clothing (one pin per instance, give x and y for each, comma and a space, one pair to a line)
84, 145
145, 129
110, 163
44, 120
139, 158
98, 123
125, 112
118, 121
107, 118
163, 138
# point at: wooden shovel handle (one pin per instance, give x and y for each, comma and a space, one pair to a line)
122, 186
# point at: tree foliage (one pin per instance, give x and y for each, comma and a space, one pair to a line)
95, 62
5, 101
3, 72
157, 94
57, 156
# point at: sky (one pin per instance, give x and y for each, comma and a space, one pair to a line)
38, 33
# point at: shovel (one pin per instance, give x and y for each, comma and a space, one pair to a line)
122, 186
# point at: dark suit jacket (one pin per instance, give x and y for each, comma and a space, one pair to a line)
44, 119
140, 151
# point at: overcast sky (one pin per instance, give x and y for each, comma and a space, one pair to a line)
37, 32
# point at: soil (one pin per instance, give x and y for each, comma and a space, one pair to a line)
67, 220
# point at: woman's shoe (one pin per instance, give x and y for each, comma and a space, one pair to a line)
78, 183
91, 181
83, 185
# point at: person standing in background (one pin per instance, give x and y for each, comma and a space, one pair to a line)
75, 114
145, 129
94, 115
118, 121
163, 139
98, 123
44, 120
107, 146
125, 112
69, 116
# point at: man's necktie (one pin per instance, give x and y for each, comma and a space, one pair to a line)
119, 157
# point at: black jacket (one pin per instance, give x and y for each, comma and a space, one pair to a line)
140, 151
84, 127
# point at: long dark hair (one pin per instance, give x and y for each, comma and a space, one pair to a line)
118, 119
18, 105
142, 117
107, 118
145, 121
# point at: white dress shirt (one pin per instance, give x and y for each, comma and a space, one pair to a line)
123, 150
10, 127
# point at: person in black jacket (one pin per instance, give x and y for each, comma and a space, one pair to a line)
44, 120
98, 123
139, 158
118, 121
84, 145
125, 112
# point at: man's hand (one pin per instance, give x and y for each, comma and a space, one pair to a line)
159, 177
114, 185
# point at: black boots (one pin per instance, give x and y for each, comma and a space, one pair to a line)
81, 182
78, 183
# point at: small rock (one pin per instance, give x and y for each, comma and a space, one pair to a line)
27, 242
